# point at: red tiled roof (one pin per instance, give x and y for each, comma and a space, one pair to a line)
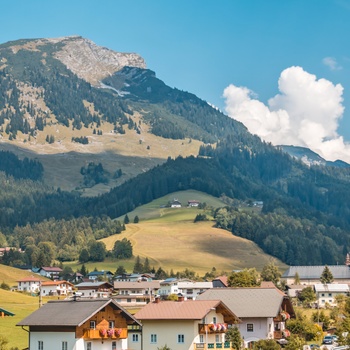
55, 283
30, 279
181, 310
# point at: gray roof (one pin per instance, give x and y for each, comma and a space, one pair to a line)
70, 313
247, 302
315, 272
137, 285
93, 284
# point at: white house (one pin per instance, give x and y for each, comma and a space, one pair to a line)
94, 275
263, 311
56, 288
168, 286
191, 289
188, 325
326, 293
80, 325
29, 284
94, 289
50, 272
135, 293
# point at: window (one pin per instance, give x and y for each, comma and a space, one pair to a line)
135, 338
114, 345
181, 338
88, 345
201, 338
128, 300
92, 324
217, 338
329, 294
214, 320
111, 324
40, 345
64, 345
250, 327
153, 338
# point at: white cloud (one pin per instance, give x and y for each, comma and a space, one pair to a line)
305, 113
332, 63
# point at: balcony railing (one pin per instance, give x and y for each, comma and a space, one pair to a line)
212, 328
112, 333
205, 346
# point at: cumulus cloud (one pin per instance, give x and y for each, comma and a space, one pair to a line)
305, 113
332, 63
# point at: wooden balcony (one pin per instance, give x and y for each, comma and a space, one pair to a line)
206, 346
119, 333
212, 329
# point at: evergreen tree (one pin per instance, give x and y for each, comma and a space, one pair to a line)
234, 336
84, 256
326, 276
146, 266
83, 270
126, 219
296, 279
136, 219
138, 267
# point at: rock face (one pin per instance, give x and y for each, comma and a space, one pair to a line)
92, 62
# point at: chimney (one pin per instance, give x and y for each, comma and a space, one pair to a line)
180, 297
157, 299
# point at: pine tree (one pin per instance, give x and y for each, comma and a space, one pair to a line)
327, 276
138, 267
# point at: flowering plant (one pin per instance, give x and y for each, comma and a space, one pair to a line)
103, 332
118, 332
110, 332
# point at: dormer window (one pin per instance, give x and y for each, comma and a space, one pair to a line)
92, 324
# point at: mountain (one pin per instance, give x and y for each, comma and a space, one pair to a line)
311, 158
97, 134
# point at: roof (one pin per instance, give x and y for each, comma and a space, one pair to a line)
344, 288
180, 310
100, 273
247, 302
93, 284
51, 269
223, 280
30, 279
137, 285
315, 272
192, 284
54, 283
70, 312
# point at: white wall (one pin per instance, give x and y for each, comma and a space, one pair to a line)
53, 341
262, 329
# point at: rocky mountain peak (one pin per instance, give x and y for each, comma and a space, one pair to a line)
92, 62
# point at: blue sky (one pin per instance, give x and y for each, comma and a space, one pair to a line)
241, 49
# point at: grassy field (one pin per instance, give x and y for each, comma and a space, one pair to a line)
170, 239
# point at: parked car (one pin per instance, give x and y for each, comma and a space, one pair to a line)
328, 339
314, 346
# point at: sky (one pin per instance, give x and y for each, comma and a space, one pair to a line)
281, 67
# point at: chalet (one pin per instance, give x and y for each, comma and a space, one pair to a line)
29, 284
310, 275
94, 275
94, 289
326, 293
56, 288
79, 324
193, 203
135, 293
189, 325
52, 272
175, 204
263, 311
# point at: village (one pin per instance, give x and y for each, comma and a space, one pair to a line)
134, 311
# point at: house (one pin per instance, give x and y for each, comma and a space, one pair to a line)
94, 275
52, 272
4, 313
56, 288
169, 286
189, 324
294, 289
6, 250
220, 282
135, 293
134, 277
310, 275
326, 293
29, 284
83, 324
263, 311
193, 203
94, 289
175, 204
191, 289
